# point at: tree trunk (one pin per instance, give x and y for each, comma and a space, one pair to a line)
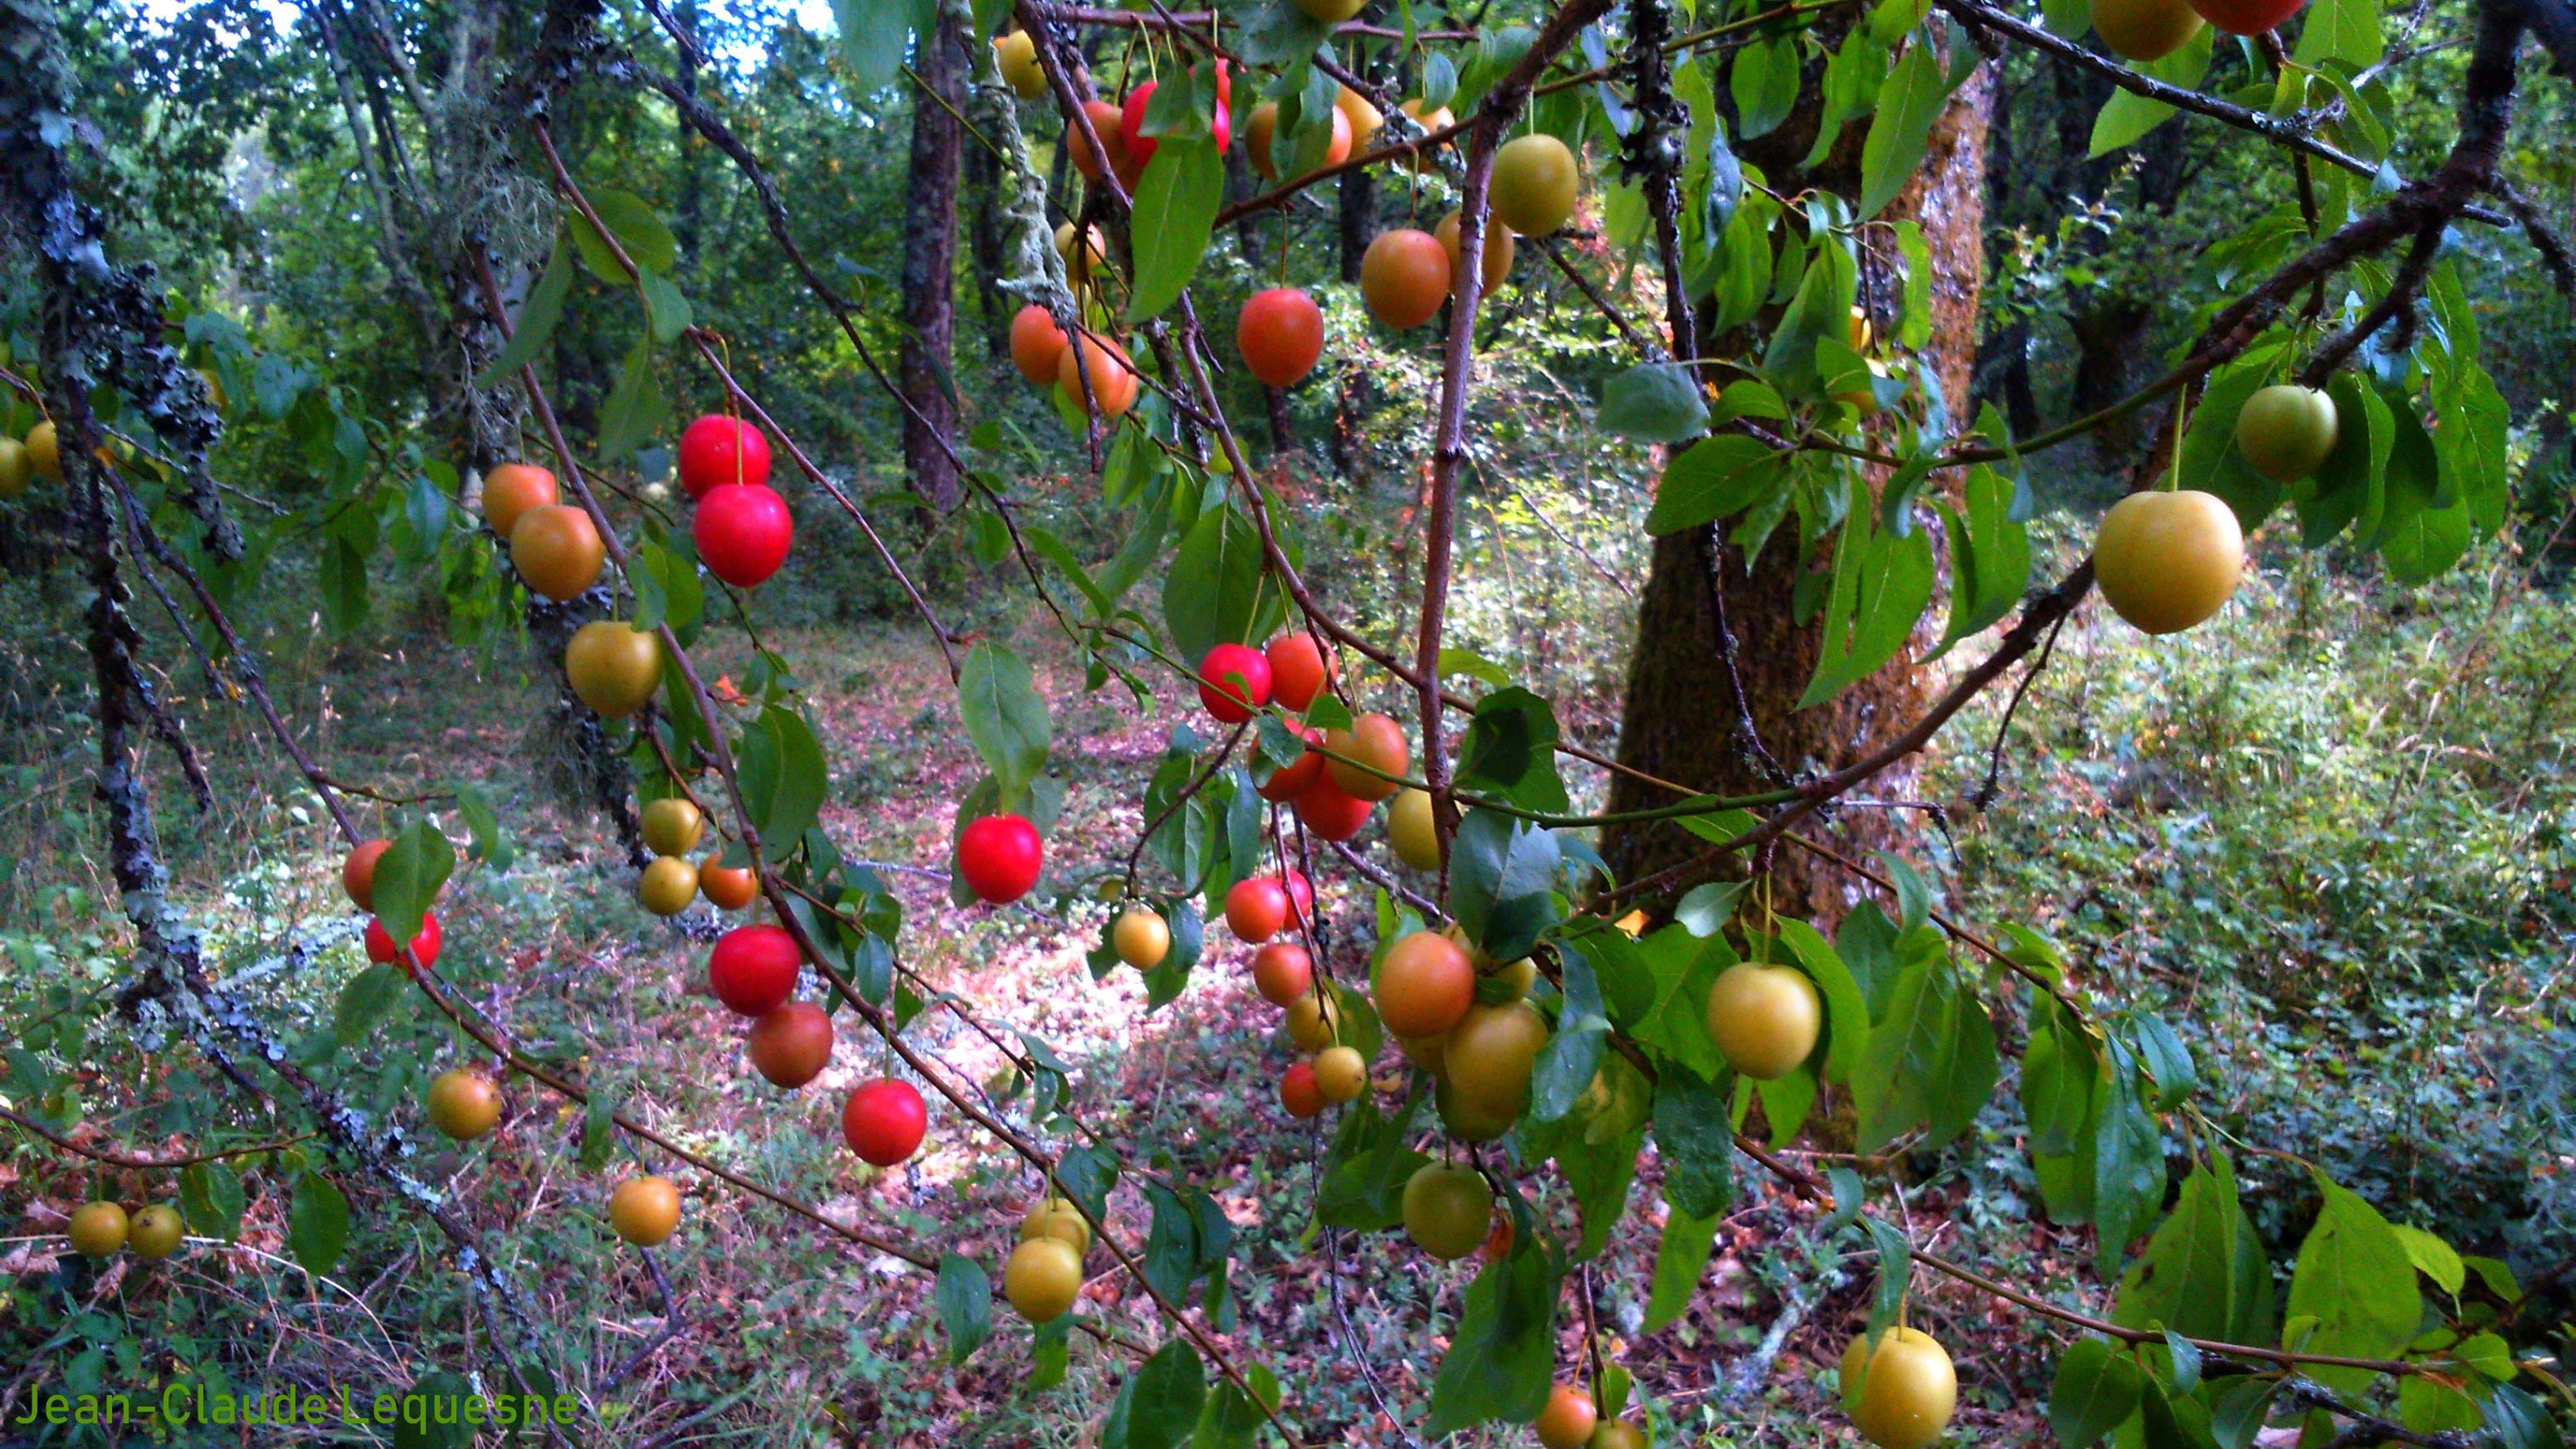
1358, 219
929, 269
1681, 717
2110, 339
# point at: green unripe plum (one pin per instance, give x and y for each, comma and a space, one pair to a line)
1057, 1217
1409, 831
668, 885
1764, 1019
1618, 1434
1467, 1117
156, 1232
1042, 1278
2286, 432
1534, 184
98, 1229
17, 470
2166, 561
1342, 1073
1490, 1054
1448, 1211
1900, 1395
2144, 29
672, 826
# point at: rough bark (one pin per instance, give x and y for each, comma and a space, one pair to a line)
929, 269
1680, 719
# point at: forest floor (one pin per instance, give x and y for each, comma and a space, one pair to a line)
789, 1336
2383, 1011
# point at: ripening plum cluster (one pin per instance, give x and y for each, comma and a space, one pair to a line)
1405, 275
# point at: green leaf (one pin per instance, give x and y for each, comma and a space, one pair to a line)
1881, 583
1502, 1354
2472, 446
1895, 1270
1176, 205
997, 698
1705, 909
1159, 1406
1086, 1174
1509, 751
1695, 1130
2128, 1160
2193, 1277
2519, 1421
636, 408
1654, 402
442, 1398
1567, 1064
370, 997
2433, 1258
409, 875
1714, 478
2128, 115
488, 845
2162, 1052
1214, 593
2167, 1422
2096, 1389
1847, 1019
598, 1129
539, 315
1502, 875
1908, 103
784, 779
1050, 1353
1989, 556
1367, 1167
667, 590
1764, 81
666, 312
2355, 1278
1681, 1256
1819, 311
2238, 1409
965, 1299
211, 1197
1281, 33
1172, 1243
638, 228
1232, 1419
874, 36
1931, 1059
2345, 30
317, 1224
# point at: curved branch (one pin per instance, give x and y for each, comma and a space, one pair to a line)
139, 1161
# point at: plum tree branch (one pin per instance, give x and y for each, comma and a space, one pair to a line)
1979, 16
748, 833
142, 1161
1500, 107
714, 359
